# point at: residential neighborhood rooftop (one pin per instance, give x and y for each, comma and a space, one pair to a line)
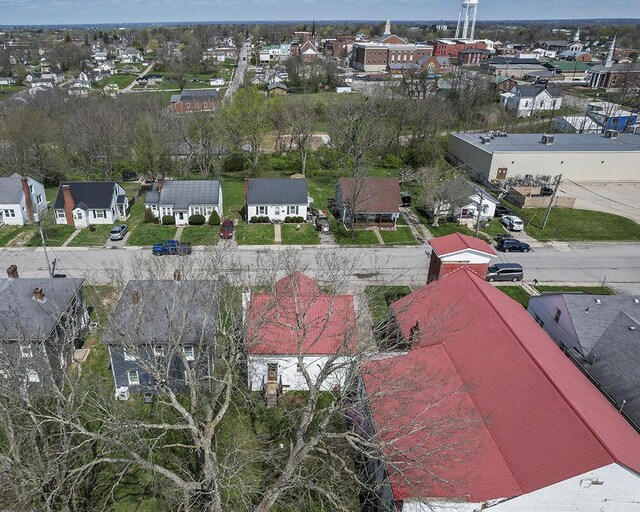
94, 194
182, 194
276, 191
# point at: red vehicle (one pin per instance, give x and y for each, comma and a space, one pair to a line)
226, 230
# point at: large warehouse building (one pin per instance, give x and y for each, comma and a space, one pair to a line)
581, 157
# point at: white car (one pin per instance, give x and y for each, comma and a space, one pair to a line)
512, 223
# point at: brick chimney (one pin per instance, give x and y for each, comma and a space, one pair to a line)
12, 272
28, 201
69, 204
135, 296
38, 294
160, 183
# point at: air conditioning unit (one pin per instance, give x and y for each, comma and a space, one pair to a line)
548, 139
611, 134
122, 393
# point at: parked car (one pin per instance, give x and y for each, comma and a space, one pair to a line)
503, 210
171, 247
512, 223
118, 232
406, 198
130, 176
322, 222
226, 230
505, 272
511, 244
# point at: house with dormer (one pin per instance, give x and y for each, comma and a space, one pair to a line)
83, 203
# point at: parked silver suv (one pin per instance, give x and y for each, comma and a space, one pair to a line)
505, 272
118, 232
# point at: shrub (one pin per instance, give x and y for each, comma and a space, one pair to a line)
253, 219
196, 220
235, 163
168, 220
214, 218
149, 217
263, 219
287, 220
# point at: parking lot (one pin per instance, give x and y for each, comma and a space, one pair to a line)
618, 198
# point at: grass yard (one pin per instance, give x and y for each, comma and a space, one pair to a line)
254, 234
401, 236
570, 225
201, 235
149, 234
9, 233
380, 297
88, 238
596, 290
55, 235
306, 235
517, 293
447, 228
358, 237
121, 81
233, 194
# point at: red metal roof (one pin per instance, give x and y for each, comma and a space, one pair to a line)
300, 318
457, 242
542, 420
371, 195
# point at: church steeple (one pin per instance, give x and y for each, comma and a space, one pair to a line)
387, 28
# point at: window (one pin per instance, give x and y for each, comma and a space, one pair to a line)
292, 210
158, 350
189, 352
32, 376
197, 210
99, 214
26, 351
262, 210
39, 199
127, 356
556, 319
134, 379
9, 213
31, 188
188, 105
60, 214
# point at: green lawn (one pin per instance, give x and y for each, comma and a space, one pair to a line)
380, 297
233, 195
570, 225
88, 238
55, 235
517, 293
8, 233
149, 234
254, 234
401, 236
121, 81
306, 235
596, 290
344, 237
201, 235
446, 228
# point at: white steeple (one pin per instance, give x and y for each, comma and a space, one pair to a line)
609, 61
387, 28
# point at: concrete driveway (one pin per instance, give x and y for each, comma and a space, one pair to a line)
618, 198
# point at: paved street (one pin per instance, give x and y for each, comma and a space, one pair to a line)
238, 76
575, 263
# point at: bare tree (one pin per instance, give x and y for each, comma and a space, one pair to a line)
302, 122
439, 193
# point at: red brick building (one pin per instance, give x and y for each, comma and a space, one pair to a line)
452, 47
196, 100
457, 250
377, 56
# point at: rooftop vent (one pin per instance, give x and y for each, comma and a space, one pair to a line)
547, 140
598, 301
38, 295
632, 328
636, 301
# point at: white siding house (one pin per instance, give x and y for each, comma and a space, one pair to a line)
526, 100
276, 198
83, 203
21, 198
182, 199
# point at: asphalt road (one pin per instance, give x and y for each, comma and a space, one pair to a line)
238, 76
617, 264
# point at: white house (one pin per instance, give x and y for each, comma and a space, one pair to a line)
276, 198
21, 198
106, 67
525, 100
487, 208
299, 322
216, 82
130, 55
182, 199
82, 203
7, 80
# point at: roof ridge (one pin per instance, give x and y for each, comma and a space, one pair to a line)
537, 363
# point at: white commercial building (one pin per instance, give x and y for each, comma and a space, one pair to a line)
585, 157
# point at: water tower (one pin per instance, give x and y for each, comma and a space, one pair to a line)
467, 17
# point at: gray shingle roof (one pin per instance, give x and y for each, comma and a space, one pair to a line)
568, 142
195, 95
22, 317
166, 311
531, 91
277, 191
94, 194
181, 194
11, 190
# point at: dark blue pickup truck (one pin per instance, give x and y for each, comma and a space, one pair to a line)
171, 247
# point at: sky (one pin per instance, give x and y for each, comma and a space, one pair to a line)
52, 12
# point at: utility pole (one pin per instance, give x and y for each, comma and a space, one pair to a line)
44, 246
480, 208
553, 197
